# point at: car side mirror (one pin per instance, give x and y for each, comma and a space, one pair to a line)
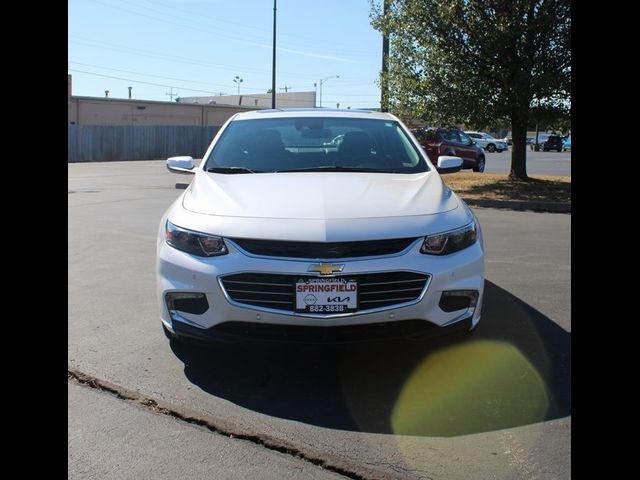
449, 164
473, 142
181, 165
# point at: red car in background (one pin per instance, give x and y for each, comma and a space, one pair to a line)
449, 141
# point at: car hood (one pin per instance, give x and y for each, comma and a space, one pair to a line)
318, 195
319, 207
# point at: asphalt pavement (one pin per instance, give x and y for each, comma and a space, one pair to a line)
113, 439
493, 405
538, 163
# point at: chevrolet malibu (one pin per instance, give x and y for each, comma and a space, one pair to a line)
286, 234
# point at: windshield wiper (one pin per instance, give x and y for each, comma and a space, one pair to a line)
232, 170
337, 168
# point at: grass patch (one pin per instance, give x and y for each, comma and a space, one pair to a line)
495, 186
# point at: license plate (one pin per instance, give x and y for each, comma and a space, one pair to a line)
326, 295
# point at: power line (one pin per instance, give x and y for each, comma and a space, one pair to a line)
138, 81
149, 74
197, 18
343, 98
177, 59
245, 38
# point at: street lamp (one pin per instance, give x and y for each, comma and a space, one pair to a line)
238, 80
323, 80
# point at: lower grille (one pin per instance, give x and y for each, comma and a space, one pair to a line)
276, 291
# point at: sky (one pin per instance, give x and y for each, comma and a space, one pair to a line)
184, 48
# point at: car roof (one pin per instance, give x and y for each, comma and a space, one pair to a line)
312, 112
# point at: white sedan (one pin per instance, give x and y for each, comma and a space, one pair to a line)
486, 141
284, 235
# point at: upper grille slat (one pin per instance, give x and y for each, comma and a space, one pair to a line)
233, 290
323, 250
391, 291
276, 291
387, 283
260, 283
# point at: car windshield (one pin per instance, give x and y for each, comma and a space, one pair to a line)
314, 144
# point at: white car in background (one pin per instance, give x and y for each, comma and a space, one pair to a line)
486, 141
284, 234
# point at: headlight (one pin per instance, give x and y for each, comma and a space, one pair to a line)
452, 241
195, 243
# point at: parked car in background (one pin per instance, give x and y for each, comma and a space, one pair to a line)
554, 142
542, 137
566, 144
508, 140
447, 141
283, 235
486, 141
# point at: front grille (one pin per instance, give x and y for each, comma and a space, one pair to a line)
274, 291
279, 248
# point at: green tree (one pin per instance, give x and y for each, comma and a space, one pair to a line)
546, 117
477, 61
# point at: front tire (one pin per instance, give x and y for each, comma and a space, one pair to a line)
479, 166
491, 147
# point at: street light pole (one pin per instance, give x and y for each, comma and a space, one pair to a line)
238, 80
273, 66
322, 80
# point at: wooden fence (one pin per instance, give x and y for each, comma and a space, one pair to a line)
97, 143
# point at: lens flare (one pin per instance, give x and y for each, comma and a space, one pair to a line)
470, 387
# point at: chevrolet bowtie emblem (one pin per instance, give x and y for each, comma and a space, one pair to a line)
325, 268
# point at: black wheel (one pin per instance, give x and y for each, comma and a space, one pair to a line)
491, 147
479, 167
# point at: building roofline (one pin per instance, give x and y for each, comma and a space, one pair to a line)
160, 102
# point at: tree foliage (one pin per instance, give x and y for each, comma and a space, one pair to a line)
546, 117
477, 62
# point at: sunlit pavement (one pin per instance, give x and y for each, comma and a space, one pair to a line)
538, 163
493, 404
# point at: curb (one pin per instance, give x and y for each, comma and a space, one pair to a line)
547, 207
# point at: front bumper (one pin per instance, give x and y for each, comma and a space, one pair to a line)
227, 320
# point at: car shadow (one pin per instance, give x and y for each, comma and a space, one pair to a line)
514, 369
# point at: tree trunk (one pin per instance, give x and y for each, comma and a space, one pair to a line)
519, 149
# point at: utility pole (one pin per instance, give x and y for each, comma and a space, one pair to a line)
171, 94
106, 93
273, 67
285, 88
384, 87
130, 88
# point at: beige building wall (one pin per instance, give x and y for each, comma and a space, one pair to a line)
258, 100
112, 111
